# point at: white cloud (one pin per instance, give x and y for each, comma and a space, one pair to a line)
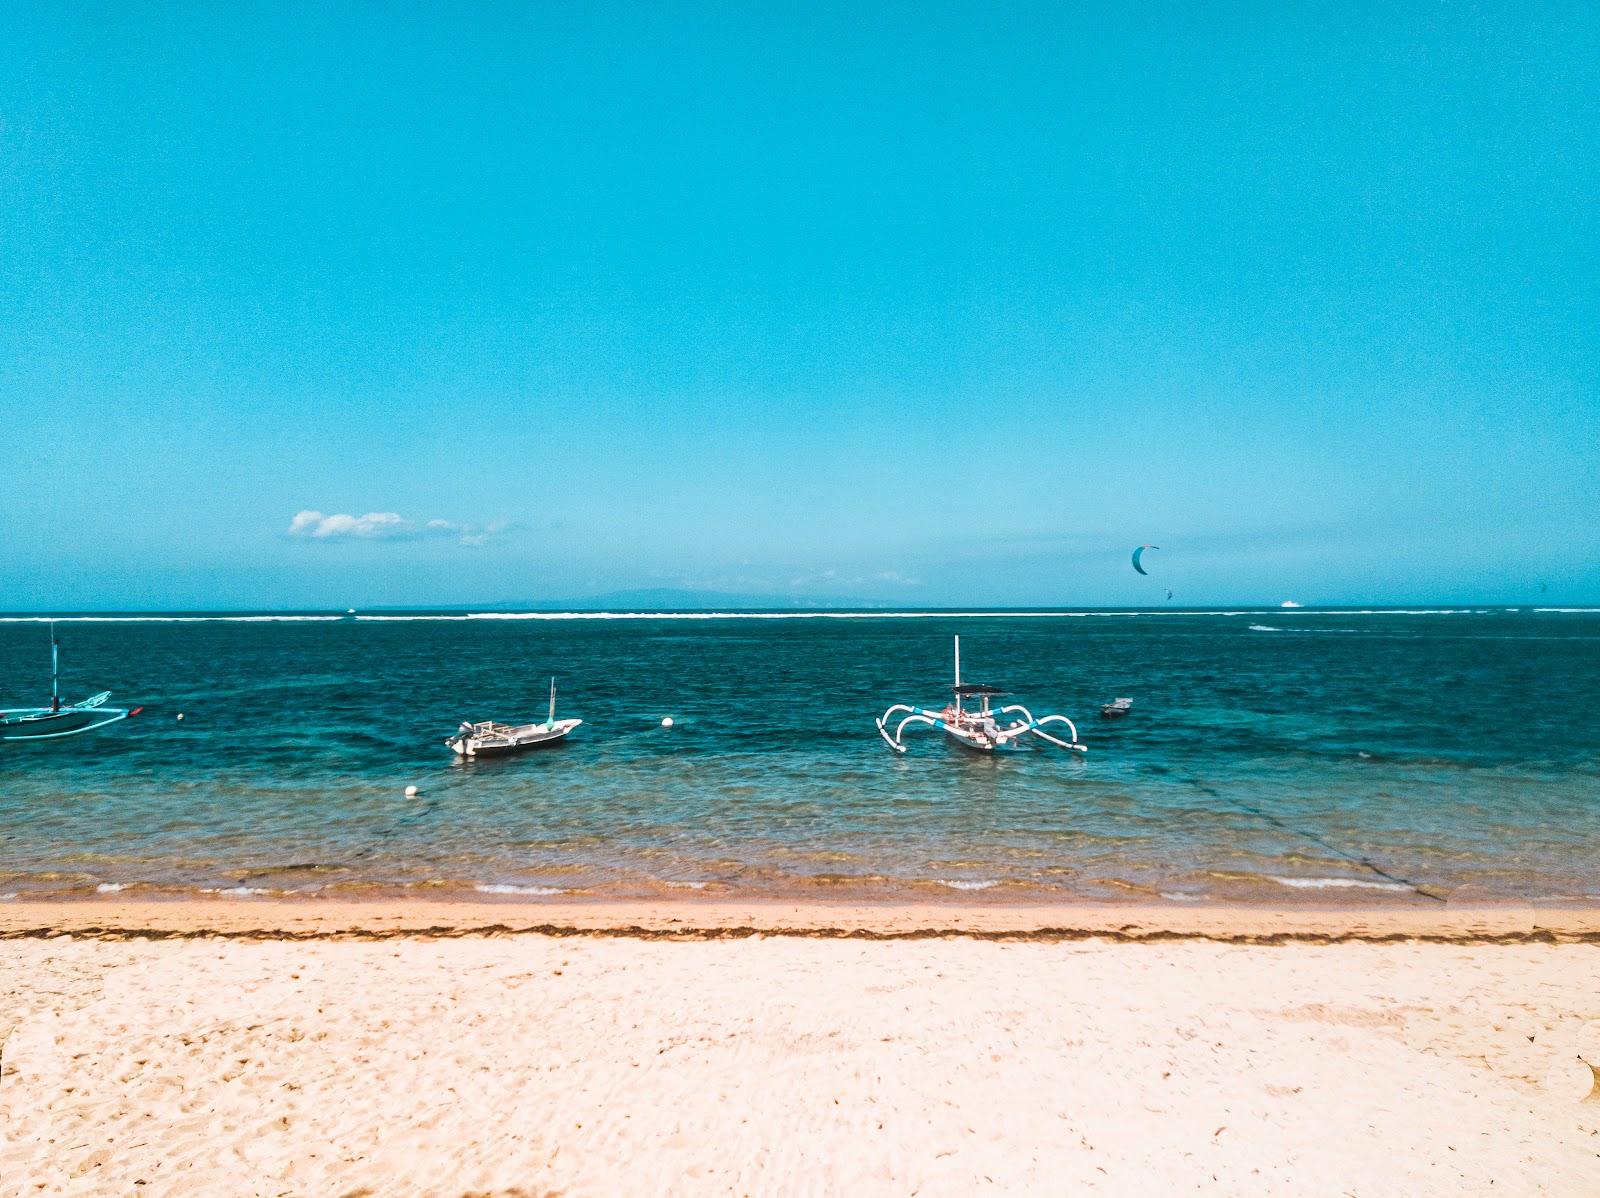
390, 526
303, 523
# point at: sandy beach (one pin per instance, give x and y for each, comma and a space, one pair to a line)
273, 1048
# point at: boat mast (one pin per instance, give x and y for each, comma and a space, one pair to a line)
55, 670
552, 719
958, 675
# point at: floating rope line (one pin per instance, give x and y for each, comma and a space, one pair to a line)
1354, 859
416, 816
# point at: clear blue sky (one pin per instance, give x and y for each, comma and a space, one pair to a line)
917, 303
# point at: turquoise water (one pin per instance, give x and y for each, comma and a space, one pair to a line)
1271, 755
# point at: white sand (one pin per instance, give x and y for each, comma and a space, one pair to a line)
536, 1065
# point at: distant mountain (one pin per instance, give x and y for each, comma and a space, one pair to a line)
674, 599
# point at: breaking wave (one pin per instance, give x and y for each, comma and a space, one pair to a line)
506, 888
1337, 883
886, 614
236, 891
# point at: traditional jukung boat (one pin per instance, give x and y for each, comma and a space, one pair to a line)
491, 738
983, 727
58, 719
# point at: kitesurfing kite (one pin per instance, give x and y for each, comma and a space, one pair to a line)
1139, 553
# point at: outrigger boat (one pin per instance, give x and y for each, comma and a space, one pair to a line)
49, 723
491, 738
986, 728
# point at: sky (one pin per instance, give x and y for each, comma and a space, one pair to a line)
912, 304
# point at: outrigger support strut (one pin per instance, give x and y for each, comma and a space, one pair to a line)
914, 715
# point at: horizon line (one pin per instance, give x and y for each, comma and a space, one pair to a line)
465, 611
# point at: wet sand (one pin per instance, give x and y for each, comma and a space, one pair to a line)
690, 918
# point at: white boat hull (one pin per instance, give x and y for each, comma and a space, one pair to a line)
496, 740
977, 741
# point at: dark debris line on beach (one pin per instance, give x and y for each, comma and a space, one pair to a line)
1126, 935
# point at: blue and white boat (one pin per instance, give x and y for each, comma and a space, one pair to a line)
985, 727
58, 719
490, 738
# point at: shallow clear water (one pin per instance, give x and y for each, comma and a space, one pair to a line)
1270, 756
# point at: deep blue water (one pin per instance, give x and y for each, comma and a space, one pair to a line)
1270, 756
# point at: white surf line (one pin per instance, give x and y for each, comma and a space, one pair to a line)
894, 615
509, 888
611, 615
167, 619
1336, 883
886, 614
795, 615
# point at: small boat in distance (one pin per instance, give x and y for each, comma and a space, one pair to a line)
490, 738
1115, 709
48, 723
987, 729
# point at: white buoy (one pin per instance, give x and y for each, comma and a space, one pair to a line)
180, 715
666, 721
411, 792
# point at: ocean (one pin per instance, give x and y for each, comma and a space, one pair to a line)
1372, 756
